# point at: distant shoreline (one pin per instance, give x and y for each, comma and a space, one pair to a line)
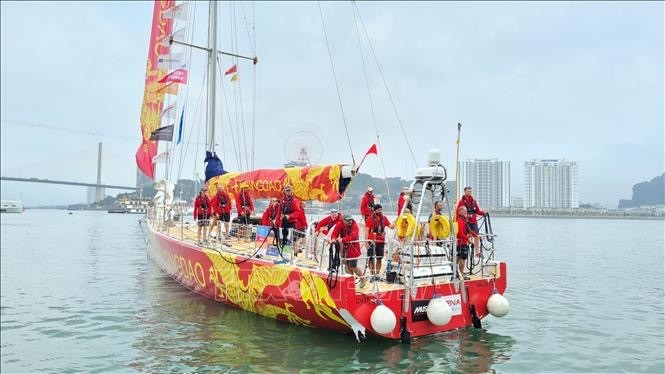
580, 217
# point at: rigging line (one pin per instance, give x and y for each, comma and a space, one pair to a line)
235, 92
198, 109
249, 27
186, 100
376, 60
339, 95
176, 127
236, 153
253, 85
65, 129
371, 106
239, 89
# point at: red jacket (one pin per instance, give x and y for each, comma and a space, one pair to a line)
471, 207
348, 235
221, 203
376, 224
302, 222
202, 207
400, 203
292, 208
271, 214
244, 203
328, 223
367, 204
463, 232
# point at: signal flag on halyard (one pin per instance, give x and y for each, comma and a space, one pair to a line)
160, 157
176, 76
231, 70
372, 150
163, 133
168, 112
181, 125
178, 35
178, 12
234, 78
170, 88
170, 61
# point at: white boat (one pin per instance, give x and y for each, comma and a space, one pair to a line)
11, 206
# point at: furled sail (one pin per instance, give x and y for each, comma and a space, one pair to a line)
323, 183
153, 99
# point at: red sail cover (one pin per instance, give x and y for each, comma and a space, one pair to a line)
320, 183
152, 99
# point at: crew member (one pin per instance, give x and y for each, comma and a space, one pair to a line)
463, 234
202, 214
346, 236
271, 217
377, 224
221, 209
245, 208
290, 212
404, 199
473, 210
326, 224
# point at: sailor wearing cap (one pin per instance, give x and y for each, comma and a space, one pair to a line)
376, 227
328, 222
202, 211
291, 213
345, 237
244, 204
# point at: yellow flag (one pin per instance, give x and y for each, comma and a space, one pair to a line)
234, 78
171, 88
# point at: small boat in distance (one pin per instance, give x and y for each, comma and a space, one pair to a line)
11, 206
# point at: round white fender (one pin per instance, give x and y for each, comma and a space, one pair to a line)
439, 312
383, 319
498, 305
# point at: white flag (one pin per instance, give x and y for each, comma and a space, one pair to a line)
178, 12
178, 35
169, 112
169, 62
160, 157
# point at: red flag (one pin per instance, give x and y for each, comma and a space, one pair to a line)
178, 76
372, 150
144, 155
231, 70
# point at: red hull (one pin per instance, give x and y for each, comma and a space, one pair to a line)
301, 295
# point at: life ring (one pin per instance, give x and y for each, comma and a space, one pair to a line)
405, 225
439, 226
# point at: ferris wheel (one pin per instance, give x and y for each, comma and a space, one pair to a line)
302, 148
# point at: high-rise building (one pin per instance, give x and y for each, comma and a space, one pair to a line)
91, 196
551, 184
490, 180
141, 179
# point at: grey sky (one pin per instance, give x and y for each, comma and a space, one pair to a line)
580, 81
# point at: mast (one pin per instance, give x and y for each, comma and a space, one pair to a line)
212, 75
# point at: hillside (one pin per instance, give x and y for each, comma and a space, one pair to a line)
646, 193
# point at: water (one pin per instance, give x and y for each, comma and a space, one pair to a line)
79, 294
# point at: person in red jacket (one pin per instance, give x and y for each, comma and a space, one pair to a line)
472, 209
346, 235
404, 200
202, 212
271, 217
221, 211
290, 212
301, 229
326, 224
377, 224
367, 207
245, 208
464, 233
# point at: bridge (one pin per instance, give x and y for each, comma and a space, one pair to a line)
37, 180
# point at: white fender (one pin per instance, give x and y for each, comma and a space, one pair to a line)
498, 305
383, 319
439, 312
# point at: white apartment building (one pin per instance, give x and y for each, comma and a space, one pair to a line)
490, 180
551, 184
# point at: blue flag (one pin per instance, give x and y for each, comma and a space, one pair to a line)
182, 121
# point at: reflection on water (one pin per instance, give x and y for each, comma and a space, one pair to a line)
183, 331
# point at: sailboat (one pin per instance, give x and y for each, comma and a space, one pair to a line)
420, 291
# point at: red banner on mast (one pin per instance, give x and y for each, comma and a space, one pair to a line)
152, 99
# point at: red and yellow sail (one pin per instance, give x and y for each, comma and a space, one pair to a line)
322, 183
153, 99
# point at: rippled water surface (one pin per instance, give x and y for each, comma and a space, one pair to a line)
79, 294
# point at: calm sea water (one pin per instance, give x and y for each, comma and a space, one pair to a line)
79, 294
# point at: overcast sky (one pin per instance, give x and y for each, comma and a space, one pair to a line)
575, 81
